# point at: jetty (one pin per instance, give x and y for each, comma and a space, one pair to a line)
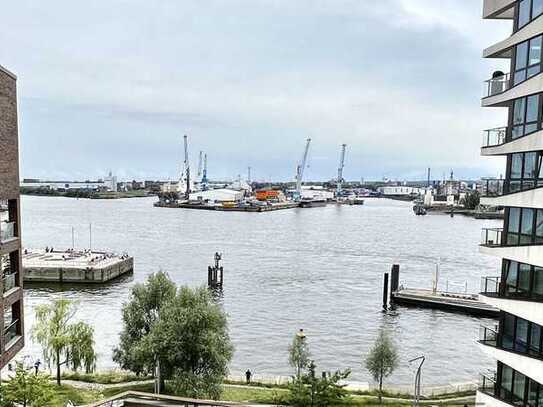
396, 294
229, 207
74, 266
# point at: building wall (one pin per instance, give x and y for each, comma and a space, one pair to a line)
11, 299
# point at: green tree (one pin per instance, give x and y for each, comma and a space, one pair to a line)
27, 388
191, 335
140, 314
471, 200
382, 360
314, 391
63, 342
298, 353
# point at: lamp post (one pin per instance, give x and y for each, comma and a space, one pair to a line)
416, 398
301, 337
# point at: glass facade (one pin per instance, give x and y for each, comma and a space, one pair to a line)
515, 388
521, 336
524, 226
521, 281
527, 10
527, 60
524, 171
527, 115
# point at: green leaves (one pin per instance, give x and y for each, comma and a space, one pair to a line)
27, 388
181, 328
298, 354
382, 359
62, 342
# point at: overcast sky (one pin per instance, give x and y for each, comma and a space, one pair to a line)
114, 84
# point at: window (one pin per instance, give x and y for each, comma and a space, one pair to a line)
526, 116
518, 389
524, 170
522, 281
508, 330
527, 59
528, 10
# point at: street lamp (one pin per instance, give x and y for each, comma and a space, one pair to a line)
416, 398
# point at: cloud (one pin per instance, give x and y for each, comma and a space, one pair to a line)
114, 85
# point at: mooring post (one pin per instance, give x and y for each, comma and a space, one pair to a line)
385, 292
394, 278
222, 275
209, 276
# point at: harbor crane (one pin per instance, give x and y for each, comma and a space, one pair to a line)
200, 164
340, 179
300, 171
187, 166
204, 174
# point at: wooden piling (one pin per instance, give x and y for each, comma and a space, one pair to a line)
385, 292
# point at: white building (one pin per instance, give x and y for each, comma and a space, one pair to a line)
217, 195
400, 190
516, 342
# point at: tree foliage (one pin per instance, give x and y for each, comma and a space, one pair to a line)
298, 354
471, 200
192, 334
311, 390
63, 342
181, 329
27, 388
140, 314
382, 360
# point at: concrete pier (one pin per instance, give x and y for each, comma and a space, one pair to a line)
466, 303
73, 266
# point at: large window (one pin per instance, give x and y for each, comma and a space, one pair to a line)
524, 226
527, 11
520, 335
524, 171
527, 59
518, 389
522, 281
526, 116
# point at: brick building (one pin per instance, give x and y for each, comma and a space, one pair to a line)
11, 321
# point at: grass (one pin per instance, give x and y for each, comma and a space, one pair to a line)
64, 393
105, 377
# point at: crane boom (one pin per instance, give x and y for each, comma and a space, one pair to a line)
340, 169
300, 170
187, 166
200, 164
204, 174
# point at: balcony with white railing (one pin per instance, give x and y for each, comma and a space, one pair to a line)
9, 282
499, 83
491, 237
11, 333
494, 137
7, 231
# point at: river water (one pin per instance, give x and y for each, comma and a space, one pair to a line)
320, 269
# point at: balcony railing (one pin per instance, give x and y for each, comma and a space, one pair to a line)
9, 282
491, 237
487, 383
488, 336
10, 332
494, 137
7, 231
496, 85
491, 285
493, 187
498, 187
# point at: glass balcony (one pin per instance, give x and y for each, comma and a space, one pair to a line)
491, 237
490, 286
9, 282
488, 336
7, 231
487, 383
10, 332
493, 187
496, 85
494, 137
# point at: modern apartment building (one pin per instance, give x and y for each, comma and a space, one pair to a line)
11, 320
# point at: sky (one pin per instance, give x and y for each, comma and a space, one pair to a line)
115, 84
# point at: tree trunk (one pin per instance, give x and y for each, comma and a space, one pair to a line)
58, 368
381, 389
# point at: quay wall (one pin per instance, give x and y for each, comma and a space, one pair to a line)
58, 274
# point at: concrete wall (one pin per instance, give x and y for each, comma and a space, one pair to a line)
526, 88
530, 310
523, 254
532, 198
531, 367
494, 8
483, 400
525, 33
532, 142
78, 275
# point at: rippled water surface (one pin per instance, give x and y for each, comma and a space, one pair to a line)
318, 268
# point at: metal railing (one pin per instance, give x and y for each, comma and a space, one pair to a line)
487, 383
10, 332
496, 85
493, 187
490, 285
494, 137
488, 336
9, 282
498, 187
7, 231
491, 236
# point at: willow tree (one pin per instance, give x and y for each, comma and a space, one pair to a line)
63, 342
